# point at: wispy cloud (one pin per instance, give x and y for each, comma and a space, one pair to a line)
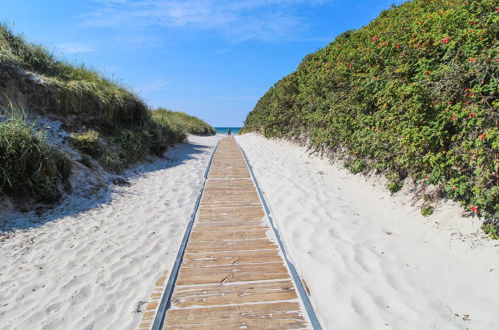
237, 20
157, 85
74, 47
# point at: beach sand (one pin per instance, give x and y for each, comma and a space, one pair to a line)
371, 260
91, 263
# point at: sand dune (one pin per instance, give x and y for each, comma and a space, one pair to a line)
89, 263
372, 261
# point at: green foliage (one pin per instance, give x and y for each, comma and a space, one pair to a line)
356, 166
491, 230
427, 210
87, 142
394, 186
29, 167
413, 93
183, 122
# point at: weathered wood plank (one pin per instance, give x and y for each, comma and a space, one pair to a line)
255, 244
282, 315
226, 235
209, 295
232, 273
208, 259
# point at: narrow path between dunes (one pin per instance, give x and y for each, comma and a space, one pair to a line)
370, 260
232, 274
91, 263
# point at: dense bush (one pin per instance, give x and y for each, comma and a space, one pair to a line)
414, 93
29, 167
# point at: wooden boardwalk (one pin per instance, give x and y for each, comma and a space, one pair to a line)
233, 275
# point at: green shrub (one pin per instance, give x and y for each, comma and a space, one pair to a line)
413, 93
356, 166
427, 210
491, 230
29, 167
113, 162
87, 142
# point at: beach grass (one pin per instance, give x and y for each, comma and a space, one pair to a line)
29, 166
106, 120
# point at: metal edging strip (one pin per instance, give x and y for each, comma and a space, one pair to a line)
303, 294
167, 295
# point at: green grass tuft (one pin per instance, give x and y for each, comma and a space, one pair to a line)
88, 142
29, 166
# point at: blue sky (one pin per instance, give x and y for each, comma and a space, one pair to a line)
211, 58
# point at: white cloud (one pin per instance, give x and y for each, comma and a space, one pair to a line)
235, 19
158, 85
74, 47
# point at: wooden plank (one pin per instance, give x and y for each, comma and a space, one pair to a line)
232, 273
228, 235
240, 225
208, 259
255, 244
209, 295
282, 315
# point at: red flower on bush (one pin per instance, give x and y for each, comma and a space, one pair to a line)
467, 90
397, 45
445, 40
483, 136
471, 94
374, 39
454, 117
427, 73
468, 102
473, 23
475, 209
472, 115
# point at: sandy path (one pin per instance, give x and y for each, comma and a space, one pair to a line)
372, 261
89, 269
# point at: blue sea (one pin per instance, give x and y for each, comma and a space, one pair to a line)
223, 130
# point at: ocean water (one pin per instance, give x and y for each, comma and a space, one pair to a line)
223, 130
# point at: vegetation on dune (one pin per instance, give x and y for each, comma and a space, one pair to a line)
75, 90
106, 120
183, 122
414, 93
29, 166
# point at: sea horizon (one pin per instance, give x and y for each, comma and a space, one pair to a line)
224, 130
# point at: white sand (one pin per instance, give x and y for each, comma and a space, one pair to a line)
91, 261
372, 261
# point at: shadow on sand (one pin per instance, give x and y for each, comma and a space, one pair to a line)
73, 204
